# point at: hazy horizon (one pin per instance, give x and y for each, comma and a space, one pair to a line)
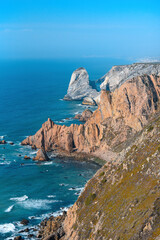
80, 29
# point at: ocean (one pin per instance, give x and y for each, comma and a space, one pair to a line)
31, 91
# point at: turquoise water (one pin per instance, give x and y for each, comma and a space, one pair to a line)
31, 91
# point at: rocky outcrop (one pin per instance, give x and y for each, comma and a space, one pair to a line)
41, 155
80, 86
120, 74
52, 228
120, 114
84, 116
26, 157
3, 142
89, 101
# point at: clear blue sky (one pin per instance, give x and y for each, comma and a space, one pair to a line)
79, 28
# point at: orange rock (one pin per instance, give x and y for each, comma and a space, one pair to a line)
120, 113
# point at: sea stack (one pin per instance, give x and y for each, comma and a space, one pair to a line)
81, 87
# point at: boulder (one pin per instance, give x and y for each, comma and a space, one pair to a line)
80, 86
84, 116
3, 142
34, 147
78, 116
87, 114
18, 238
41, 155
24, 222
26, 157
89, 101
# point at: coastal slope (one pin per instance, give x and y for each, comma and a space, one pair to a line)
122, 200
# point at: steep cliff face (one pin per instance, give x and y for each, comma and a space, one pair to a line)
120, 74
122, 200
120, 114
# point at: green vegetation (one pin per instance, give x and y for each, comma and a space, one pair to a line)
117, 203
101, 174
150, 128
90, 198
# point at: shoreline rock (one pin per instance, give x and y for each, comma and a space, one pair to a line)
89, 101
26, 157
3, 142
41, 156
86, 115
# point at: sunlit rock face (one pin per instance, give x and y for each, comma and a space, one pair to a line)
120, 74
80, 86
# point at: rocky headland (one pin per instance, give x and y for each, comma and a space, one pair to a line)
120, 74
122, 200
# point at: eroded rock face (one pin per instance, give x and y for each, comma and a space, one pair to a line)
84, 116
120, 74
80, 86
89, 101
122, 200
41, 155
52, 228
119, 115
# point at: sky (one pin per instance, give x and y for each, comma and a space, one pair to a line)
80, 29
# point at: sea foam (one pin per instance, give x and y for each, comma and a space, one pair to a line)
9, 209
19, 199
37, 203
7, 227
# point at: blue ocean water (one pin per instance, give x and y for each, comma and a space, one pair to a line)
31, 91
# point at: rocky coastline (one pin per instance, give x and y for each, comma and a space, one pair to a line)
123, 132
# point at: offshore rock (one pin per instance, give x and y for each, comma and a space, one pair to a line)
80, 86
120, 74
26, 157
3, 142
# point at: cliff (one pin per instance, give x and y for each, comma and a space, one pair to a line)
122, 200
119, 116
120, 74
